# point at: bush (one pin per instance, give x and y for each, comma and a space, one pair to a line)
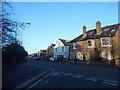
13, 54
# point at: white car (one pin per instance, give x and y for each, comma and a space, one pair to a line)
52, 59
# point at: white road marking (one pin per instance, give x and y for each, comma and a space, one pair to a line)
109, 83
66, 74
61, 72
114, 82
92, 79
78, 76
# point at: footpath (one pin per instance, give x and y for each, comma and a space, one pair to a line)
19, 76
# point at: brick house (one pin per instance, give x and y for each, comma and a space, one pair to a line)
101, 43
50, 50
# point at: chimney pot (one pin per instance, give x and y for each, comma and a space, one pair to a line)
98, 22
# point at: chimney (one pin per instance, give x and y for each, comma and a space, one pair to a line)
84, 30
98, 27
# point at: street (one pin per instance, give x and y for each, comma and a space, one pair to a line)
65, 75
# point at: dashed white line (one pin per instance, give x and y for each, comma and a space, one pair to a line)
78, 76
92, 79
109, 83
66, 74
61, 72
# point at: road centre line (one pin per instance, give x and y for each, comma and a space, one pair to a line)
92, 79
109, 83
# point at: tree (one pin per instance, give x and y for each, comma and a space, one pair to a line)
12, 50
10, 27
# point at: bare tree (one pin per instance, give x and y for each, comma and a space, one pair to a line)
10, 27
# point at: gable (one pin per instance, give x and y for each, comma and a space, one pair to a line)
58, 44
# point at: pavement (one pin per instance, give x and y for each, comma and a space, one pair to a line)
19, 76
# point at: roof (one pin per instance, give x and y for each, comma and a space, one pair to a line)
107, 31
52, 45
65, 42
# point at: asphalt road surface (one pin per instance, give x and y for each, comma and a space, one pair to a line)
65, 75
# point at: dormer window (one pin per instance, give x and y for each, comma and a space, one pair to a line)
91, 33
113, 30
105, 41
74, 46
106, 29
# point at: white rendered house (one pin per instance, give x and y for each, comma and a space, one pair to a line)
61, 49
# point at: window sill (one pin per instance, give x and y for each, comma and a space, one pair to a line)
91, 47
74, 48
106, 46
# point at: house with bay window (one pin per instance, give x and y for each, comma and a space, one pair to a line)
102, 42
61, 49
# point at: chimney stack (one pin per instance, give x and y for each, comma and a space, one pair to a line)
84, 30
98, 27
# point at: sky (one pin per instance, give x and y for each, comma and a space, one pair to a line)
51, 21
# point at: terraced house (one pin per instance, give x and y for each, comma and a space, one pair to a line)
101, 43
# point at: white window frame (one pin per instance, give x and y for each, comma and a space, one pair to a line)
107, 44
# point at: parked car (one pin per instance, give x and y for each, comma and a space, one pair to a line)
52, 59
36, 58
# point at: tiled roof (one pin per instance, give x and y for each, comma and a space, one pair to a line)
65, 42
107, 31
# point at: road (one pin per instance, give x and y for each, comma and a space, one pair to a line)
65, 75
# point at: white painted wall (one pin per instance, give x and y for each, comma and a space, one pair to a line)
59, 46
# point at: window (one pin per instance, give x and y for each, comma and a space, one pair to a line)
105, 42
106, 29
90, 43
113, 30
91, 33
106, 55
62, 49
55, 49
74, 46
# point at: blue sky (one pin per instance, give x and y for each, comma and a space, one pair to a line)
53, 20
